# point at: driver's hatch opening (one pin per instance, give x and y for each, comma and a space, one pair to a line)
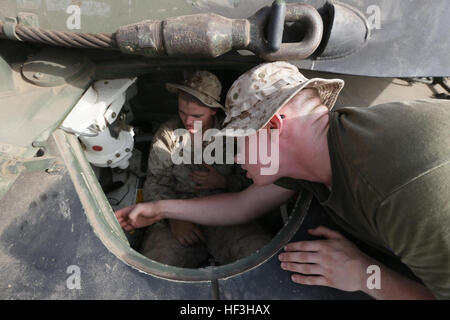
147, 106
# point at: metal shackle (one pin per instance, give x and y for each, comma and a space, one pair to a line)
305, 15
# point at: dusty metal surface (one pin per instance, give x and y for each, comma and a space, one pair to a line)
205, 35
31, 112
397, 45
202, 35
45, 235
103, 221
37, 92
348, 31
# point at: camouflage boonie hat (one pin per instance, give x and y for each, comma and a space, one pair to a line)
257, 95
203, 85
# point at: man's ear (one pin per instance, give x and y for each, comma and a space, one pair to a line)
275, 123
214, 111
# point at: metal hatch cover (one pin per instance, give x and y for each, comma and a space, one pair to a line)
54, 67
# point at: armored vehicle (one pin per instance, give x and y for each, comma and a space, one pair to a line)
82, 94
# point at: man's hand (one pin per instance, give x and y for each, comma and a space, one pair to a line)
138, 215
338, 263
217, 210
186, 233
210, 179
335, 262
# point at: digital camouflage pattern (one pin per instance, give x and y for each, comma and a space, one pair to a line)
257, 95
203, 85
225, 243
167, 180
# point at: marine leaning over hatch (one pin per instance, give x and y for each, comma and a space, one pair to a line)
382, 173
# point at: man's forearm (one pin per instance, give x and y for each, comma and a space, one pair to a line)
226, 208
206, 211
395, 286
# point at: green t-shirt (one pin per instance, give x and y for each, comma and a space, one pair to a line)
391, 182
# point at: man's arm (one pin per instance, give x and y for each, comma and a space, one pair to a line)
160, 182
338, 263
395, 286
237, 180
220, 210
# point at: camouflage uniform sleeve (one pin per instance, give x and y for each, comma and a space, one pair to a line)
237, 181
160, 183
